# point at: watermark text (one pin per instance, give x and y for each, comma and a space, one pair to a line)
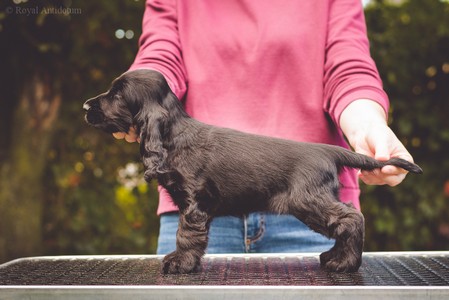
36, 10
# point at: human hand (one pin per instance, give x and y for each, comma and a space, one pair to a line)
364, 124
380, 142
130, 136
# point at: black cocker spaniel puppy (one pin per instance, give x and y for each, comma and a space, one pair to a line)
211, 171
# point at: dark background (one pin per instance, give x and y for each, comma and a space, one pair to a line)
66, 188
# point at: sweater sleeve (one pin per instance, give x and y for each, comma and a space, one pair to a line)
160, 50
160, 46
349, 71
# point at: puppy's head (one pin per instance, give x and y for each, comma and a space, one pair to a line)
123, 104
143, 99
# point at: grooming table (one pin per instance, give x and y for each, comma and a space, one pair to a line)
398, 275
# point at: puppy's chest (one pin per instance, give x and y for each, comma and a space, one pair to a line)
174, 183
171, 181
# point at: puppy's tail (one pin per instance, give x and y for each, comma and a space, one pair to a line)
359, 161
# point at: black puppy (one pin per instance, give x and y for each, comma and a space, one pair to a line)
211, 171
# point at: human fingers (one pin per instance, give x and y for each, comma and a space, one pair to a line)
119, 135
131, 136
378, 177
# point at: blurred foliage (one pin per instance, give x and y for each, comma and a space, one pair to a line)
87, 208
94, 211
410, 44
95, 202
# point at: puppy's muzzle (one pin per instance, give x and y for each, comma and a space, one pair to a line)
94, 115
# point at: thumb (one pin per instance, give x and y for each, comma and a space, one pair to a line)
379, 143
382, 152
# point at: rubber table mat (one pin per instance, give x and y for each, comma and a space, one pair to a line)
303, 270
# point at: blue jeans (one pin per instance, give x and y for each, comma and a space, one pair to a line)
254, 233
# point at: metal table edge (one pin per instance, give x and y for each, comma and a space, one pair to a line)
227, 255
223, 292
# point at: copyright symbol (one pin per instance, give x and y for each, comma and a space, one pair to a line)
9, 10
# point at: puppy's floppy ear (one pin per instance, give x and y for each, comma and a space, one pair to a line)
153, 129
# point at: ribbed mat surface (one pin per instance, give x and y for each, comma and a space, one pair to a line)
284, 270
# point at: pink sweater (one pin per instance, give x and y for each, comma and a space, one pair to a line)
283, 68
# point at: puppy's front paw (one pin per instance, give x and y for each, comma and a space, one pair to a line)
336, 261
180, 263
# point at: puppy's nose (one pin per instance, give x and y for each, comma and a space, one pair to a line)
90, 103
86, 106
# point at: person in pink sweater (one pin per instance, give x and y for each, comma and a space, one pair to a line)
298, 70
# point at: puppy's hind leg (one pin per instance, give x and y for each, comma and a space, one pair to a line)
349, 232
191, 242
328, 216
